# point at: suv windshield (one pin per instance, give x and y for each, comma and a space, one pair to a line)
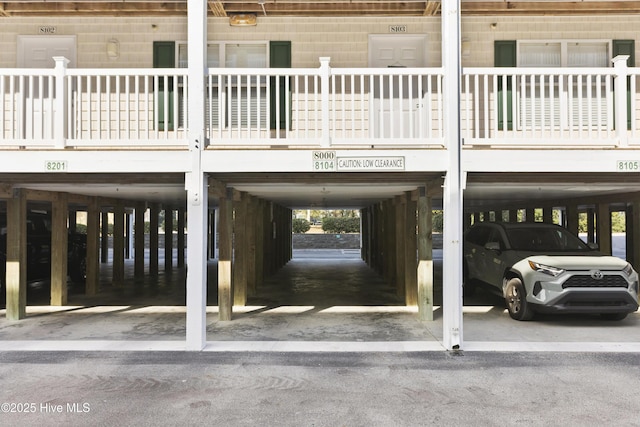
538, 239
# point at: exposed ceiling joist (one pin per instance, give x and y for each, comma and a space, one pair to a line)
221, 8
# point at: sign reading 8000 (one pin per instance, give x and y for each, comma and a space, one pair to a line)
324, 161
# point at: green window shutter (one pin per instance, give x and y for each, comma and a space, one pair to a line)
626, 47
164, 56
279, 57
504, 55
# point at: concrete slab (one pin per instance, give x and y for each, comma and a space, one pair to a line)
322, 301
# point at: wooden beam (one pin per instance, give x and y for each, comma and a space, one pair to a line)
217, 8
59, 250
16, 274
431, 8
225, 255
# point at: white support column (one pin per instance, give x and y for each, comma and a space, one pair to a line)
195, 180
452, 197
325, 74
60, 108
620, 64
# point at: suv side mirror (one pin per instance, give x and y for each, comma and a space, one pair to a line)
492, 246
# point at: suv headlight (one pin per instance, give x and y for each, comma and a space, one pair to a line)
546, 269
628, 270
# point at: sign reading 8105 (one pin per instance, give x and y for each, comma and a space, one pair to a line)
324, 161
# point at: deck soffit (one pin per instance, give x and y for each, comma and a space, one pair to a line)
317, 8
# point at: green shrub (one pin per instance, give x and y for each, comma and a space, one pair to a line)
341, 225
301, 225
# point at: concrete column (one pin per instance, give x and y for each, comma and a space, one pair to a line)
93, 247
104, 238
425, 256
118, 246
241, 251
59, 249
400, 244
603, 224
16, 274
154, 211
225, 255
572, 218
139, 246
411, 247
168, 239
181, 237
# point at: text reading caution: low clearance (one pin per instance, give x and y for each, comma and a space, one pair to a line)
370, 163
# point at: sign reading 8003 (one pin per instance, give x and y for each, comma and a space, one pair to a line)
324, 161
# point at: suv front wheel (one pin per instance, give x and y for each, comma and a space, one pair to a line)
516, 300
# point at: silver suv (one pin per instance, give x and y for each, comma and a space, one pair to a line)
541, 267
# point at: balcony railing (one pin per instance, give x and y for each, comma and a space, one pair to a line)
319, 107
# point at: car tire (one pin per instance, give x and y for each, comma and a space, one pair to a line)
516, 300
613, 316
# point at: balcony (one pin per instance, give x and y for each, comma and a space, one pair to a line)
322, 107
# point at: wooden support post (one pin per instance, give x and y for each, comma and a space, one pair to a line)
154, 211
400, 244
530, 215
139, 243
572, 218
260, 215
635, 218
603, 224
240, 252
93, 247
251, 238
411, 263
181, 236
390, 238
104, 238
628, 232
16, 274
547, 215
225, 255
425, 257
168, 239
591, 228
513, 215
59, 249
476, 217
118, 246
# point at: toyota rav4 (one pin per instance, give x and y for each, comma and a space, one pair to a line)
540, 267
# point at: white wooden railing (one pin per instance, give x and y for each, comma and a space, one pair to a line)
550, 106
319, 107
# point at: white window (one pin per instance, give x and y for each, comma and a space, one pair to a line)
580, 101
241, 103
564, 53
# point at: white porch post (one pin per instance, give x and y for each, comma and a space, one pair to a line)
620, 98
325, 74
59, 113
195, 181
452, 198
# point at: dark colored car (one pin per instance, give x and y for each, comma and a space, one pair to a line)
39, 250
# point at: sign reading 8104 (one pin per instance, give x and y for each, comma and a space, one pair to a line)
324, 161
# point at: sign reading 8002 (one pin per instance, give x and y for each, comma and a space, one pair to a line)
324, 161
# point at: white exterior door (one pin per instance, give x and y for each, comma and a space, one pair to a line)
37, 98
394, 115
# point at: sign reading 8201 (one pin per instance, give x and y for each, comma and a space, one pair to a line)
56, 166
324, 161
628, 165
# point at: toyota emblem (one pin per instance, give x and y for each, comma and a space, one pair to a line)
597, 275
